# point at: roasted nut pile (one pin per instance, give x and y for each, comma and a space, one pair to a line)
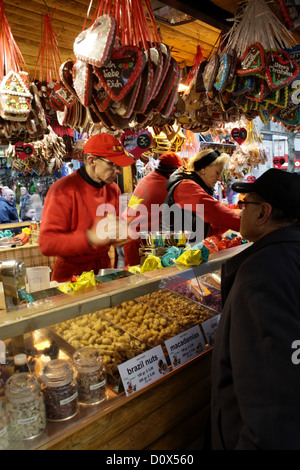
115, 345
141, 321
175, 306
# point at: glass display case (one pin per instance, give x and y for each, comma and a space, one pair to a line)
130, 321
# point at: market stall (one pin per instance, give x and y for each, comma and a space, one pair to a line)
124, 79
142, 416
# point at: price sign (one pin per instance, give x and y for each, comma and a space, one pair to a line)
185, 346
136, 144
142, 370
210, 328
23, 151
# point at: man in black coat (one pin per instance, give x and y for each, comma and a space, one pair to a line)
256, 358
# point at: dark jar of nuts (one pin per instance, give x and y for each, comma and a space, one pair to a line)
60, 390
90, 376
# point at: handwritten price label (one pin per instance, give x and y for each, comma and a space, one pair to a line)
136, 144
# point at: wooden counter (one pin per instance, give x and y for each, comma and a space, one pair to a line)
171, 414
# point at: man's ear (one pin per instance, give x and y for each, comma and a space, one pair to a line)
264, 213
90, 159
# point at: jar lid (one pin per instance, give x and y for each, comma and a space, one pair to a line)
20, 359
57, 373
88, 359
22, 387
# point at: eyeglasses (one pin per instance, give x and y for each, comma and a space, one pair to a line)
111, 164
242, 204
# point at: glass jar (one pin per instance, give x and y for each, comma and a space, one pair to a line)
25, 407
91, 376
4, 443
59, 390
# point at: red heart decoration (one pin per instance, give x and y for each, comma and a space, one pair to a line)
23, 151
239, 135
120, 74
136, 144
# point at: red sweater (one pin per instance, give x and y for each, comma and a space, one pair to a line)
152, 189
70, 209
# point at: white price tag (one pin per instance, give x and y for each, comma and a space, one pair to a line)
2, 353
142, 370
185, 346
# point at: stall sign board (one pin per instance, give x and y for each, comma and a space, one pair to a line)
210, 327
142, 370
185, 346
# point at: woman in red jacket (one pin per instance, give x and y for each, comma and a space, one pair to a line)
191, 189
150, 193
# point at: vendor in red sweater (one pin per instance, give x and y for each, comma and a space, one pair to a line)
150, 193
192, 190
76, 204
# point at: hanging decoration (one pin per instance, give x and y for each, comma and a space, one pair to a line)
20, 108
123, 73
41, 157
54, 94
249, 154
254, 73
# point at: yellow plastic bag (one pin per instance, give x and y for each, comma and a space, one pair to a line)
189, 258
150, 264
86, 279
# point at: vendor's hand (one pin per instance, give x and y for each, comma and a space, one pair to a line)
109, 230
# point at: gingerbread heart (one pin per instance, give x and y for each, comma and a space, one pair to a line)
253, 61
66, 76
281, 70
223, 72
289, 115
121, 72
136, 144
260, 90
23, 151
210, 72
94, 45
83, 82
239, 135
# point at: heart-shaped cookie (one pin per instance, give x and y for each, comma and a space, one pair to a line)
221, 80
136, 144
259, 91
94, 45
289, 115
23, 151
83, 81
239, 135
119, 75
253, 61
210, 72
66, 76
281, 70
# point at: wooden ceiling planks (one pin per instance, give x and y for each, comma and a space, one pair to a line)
25, 20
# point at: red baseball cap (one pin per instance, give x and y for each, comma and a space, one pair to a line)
171, 159
107, 146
